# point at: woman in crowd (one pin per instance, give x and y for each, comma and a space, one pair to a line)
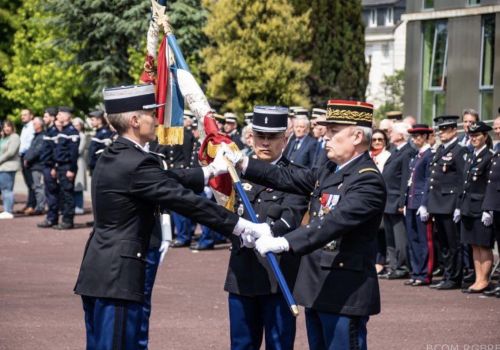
476, 225
419, 229
80, 180
9, 165
379, 153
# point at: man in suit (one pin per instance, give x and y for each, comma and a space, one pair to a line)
128, 187
445, 184
319, 132
337, 282
396, 174
256, 305
302, 146
469, 117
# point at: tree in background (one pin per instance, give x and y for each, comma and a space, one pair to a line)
394, 90
8, 24
41, 75
107, 33
336, 50
253, 57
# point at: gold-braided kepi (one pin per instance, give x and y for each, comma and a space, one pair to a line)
348, 113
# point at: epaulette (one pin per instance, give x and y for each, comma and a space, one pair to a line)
367, 169
491, 151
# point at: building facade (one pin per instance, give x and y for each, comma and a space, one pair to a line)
385, 36
452, 58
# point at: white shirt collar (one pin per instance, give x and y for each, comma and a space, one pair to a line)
145, 148
340, 167
449, 142
424, 148
479, 151
401, 145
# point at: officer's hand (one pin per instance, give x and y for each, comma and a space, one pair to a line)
219, 165
163, 250
275, 245
247, 240
70, 175
487, 219
423, 213
456, 216
53, 173
246, 227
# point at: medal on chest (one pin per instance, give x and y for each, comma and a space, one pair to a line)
328, 202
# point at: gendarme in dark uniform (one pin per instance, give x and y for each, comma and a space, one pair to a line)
337, 282
445, 185
256, 304
128, 186
102, 139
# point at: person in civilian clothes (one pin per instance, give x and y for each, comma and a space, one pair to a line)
337, 282
445, 184
81, 174
469, 117
491, 206
103, 138
34, 163
473, 219
256, 305
379, 153
496, 130
125, 200
396, 174
49, 177
319, 132
27, 135
302, 146
419, 229
66, 166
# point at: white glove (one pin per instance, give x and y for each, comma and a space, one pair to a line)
487, 219
219, 165
422, 212
275, 245
246, 227
456, 216
233, 156
163, 250
247, 240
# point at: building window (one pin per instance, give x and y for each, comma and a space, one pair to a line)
427, 4
473, 2
389, 16
435, 46
487, 66
372, 18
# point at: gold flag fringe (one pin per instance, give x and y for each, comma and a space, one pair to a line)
170, 135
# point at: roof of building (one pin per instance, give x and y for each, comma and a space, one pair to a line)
378, 2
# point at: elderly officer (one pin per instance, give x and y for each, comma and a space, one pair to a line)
475, 228
255, 302
445, 184
128, 186
337, 281
419, 231
66, 166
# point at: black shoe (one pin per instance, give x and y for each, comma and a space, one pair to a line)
447, 285
497, 294
382, 272
64, 226
437, 272
45, 224
201, 247
89, 224
419, 283
491, 292
434, 285
397, 275
474, 291
179, 244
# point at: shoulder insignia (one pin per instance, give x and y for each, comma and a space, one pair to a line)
247, 186
368, 169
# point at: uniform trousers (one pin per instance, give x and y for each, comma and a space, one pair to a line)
419, 246
184, 227
66, 193
450, 246
28, 180
51, 196
395, 236
111, 324
329, 331
250, 317
38, 189
152, 262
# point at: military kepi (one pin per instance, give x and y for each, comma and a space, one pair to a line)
479, 127
446, 121
348, 113
270, 119
420, 129
129, 98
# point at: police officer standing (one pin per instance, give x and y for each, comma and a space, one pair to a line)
445, 184
337, 282
256, 305
111, 278
101, 139
66, 166
49, 177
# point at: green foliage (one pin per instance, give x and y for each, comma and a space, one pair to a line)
107, 31
254, 57
41, 75
394, 90
336, 50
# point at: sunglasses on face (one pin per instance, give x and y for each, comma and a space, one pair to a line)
374, 139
